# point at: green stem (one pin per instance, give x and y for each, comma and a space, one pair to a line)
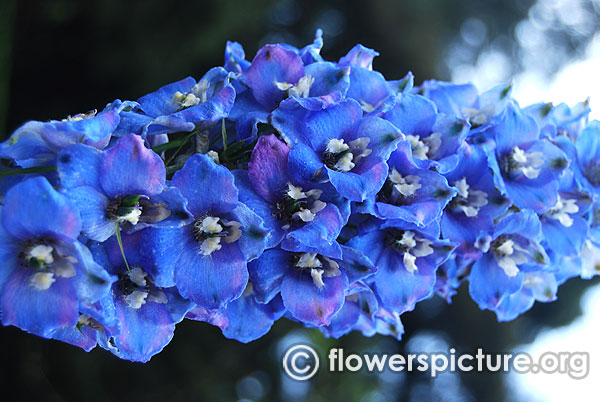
19, 171
224, 135
187, 138
118, 232
173, 144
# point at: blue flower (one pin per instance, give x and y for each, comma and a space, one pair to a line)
139, 316
410, 193
407, 257
463, 101
537, 286
358, 313
123, 186
46, 270
335, 144
244, 319
587, 168
37, 143
476, 203
312, 286
181, 106
560, 119
526, 169
510, 251
368, 87
437, 140
206, 259
302, 216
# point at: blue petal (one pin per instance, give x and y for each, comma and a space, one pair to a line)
247, 319
254, 234
360, 56
273, 63
235, 58
161, 102
400, 289
199, 174
211, 281
38, 311
309, 304
267, 169
413, 114
94, 223
161, 248
144, 331
33, 209
315, 128
260, 207
129, 168
489, 284
328, 79
79, 165
567, 241
364, 180
267, 272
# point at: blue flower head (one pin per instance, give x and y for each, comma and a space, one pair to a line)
47, 272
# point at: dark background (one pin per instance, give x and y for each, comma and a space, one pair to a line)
62, 57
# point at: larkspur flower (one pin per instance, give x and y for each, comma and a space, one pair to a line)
312, 286
184, 105
123, 186
206, 259
409, 193
336, 144
511, 251
299, 215
526, 168
46, 271
407, 257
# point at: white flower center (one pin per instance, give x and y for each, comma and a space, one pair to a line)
42, 253
136, 299
424, 148
467, 200
527, 163
42, 280
509, 256
343, 157
562, 209
211, 230
306, 214
197, 95
317, 271
300, 90
412, 246
133, 216
406, 186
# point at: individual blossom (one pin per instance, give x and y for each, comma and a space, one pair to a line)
476, 203
560, 119
206, 259
526, 168
537, 286
463, 101
299, 215
587, 166
244, 319
121, 187
37, 143
407, 258
367, 87
437, 140
46, 271
184, 105
511, 251
409, 193
337, 145
312, 286
140, 316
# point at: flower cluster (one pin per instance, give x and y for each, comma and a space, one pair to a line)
290, 186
